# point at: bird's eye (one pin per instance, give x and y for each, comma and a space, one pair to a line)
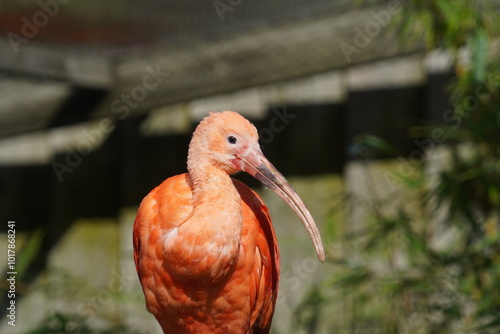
232, 140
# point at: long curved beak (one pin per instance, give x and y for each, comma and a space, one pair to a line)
256, 164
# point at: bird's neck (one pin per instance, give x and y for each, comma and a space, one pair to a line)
216, 221
212, 186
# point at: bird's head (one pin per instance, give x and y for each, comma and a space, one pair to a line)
230, 142
221, 140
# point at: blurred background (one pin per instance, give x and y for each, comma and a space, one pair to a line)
383, 115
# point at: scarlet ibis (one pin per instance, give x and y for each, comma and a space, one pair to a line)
204, 246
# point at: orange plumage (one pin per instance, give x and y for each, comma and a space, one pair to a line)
204, 246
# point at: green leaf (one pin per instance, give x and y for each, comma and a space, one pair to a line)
479, 46
30, 250
376, 143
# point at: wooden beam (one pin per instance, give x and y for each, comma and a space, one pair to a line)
257, 57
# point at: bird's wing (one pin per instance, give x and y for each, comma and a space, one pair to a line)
266, 267
163, 208
146, 215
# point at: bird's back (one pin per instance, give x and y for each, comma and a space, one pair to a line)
240, 301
